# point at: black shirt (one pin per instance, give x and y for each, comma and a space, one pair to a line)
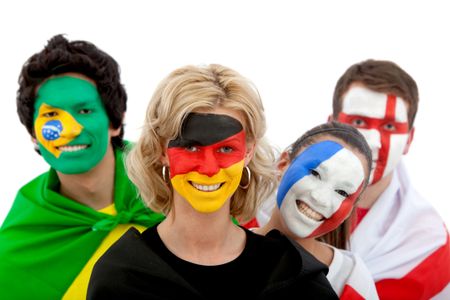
139, 266
248, 273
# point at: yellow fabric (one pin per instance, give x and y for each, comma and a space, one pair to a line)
78, 289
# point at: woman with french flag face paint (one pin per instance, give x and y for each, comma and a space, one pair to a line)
206, 165
319, 189
323, 175
383, 120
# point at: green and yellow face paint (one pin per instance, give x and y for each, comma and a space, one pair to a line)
207, 160
71, 124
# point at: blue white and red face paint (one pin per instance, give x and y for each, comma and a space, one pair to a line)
383, 120
319, 189
207, 160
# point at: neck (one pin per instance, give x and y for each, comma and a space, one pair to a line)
201, 238
94, 188
273, 223
320, 250
373, 192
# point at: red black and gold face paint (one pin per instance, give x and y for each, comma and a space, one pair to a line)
206, 160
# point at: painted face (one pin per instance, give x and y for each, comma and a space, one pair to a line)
207, 160
319, 189
71, 124
383, 120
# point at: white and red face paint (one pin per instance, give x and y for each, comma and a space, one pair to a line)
319, 189
207, 160
383, 120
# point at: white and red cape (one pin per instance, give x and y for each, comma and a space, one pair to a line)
350, 278
405, 244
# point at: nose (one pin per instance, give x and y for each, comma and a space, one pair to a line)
209, 166
321, 196
71, 128
373, 138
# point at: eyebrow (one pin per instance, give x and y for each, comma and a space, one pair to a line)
347, 185
323, 167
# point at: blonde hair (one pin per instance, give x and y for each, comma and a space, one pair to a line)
192, 88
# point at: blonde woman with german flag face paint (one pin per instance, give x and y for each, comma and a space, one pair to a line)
206, 165
202, 161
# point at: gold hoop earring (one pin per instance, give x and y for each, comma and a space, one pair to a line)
165, 172
249, 176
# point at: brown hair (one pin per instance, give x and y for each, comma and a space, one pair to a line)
380, 76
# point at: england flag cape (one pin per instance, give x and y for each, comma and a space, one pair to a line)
350, 278
405, 244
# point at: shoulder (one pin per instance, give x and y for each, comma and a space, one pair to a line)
297, 270
125, 249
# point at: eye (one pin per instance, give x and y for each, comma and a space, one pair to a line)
192, 148
315, 173
358, 123
50, 114
342, 193
85, 111
389, 127
225, 149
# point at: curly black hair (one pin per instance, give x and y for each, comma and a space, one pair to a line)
61, 56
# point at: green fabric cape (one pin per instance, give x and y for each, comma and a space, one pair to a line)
46, 239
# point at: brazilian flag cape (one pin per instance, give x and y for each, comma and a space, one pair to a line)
46, 239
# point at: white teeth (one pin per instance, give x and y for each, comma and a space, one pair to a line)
206, 188
307, 211
72, 148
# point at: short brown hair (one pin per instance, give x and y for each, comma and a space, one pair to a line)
380, 76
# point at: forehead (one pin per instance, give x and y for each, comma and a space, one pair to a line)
326, 137
234, 114
344, 166
66, 89
359, 100
336, 163
206, 129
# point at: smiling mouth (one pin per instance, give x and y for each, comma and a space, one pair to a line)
206, 187
308, 211
74, 148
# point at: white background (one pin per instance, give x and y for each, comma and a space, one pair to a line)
294, 51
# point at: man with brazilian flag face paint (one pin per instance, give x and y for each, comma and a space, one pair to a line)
72, 103
206, 165
401, 238
71, 125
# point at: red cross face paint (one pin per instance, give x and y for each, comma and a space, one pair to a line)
207, 160
383, 120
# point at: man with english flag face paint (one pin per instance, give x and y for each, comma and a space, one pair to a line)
399, 235
383, 120
323, 175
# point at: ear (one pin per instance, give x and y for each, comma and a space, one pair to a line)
115, 131
330, 118
409, 141
249, 152
283, 161
164, 159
